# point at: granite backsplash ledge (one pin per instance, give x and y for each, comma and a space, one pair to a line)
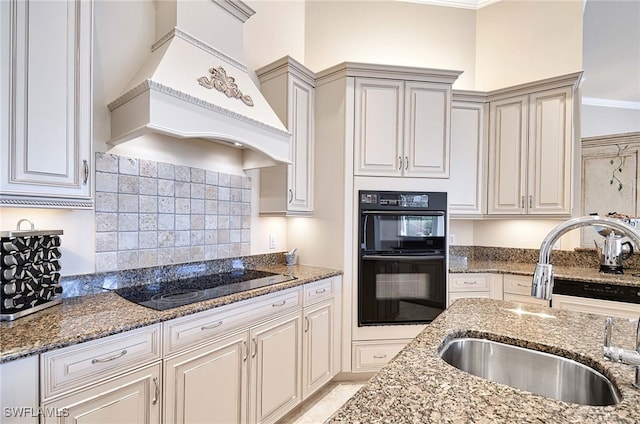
82, 285
584, 258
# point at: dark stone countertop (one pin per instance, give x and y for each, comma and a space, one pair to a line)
84, 318
588, 274
417, 386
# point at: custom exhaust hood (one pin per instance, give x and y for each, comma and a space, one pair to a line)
188, 88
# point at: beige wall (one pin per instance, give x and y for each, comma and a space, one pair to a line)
520, 41
274, 31
391, 32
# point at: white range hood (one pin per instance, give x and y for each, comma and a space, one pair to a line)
190, 89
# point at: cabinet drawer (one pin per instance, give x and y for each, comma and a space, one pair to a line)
469, 282
525, 299
372, 356
466, 295
189, 331
518, 284
80, 365
318, 290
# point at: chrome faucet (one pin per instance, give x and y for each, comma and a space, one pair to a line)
618, 354
542, 286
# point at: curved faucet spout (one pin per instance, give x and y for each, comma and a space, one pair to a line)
542, 286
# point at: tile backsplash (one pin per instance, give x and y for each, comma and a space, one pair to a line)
152, 213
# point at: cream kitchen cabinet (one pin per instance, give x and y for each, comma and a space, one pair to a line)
270, 352
253, 346
289, 88
469, 131
276, 362
321, 342
21, 391
113, 379
596, 306
134, 397
517, 288
532, 144
208, 384
402, 128
46, 86
468, 285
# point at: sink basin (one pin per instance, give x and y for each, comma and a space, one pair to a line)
526, 369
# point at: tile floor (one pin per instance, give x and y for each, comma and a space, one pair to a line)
319, 407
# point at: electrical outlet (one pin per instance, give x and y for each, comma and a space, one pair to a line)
272, 242
452, 239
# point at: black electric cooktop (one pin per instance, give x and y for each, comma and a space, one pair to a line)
171, 294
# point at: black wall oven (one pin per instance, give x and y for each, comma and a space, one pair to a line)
402, 261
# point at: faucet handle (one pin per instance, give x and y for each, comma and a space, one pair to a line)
608, 329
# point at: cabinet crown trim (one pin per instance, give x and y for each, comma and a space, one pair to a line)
284, 65
407, 73
572, 79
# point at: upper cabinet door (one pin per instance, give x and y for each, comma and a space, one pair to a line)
46, 103
300, 176
426, 135
508, 156
468, 148
378, 127
287, 190
550, 151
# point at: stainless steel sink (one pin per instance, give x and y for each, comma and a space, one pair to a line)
526, 369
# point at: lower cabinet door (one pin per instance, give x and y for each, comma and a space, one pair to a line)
131, 398
317, 352
275, 368
208, 384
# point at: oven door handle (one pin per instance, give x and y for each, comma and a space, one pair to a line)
404, 212
401, 258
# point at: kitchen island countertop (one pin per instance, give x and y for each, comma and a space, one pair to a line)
84, 318
417, 386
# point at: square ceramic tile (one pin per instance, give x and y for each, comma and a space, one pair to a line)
106, 162
150, 213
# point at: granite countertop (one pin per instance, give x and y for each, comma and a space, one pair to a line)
588, 274
84, 318
417, 386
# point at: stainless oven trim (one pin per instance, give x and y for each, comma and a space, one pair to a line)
404, 212
425, 258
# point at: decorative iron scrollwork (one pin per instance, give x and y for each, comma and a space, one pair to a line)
225, 84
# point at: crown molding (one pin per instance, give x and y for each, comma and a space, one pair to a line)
618, 104
462, 4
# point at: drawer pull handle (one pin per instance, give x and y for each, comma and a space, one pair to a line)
469, 282
320, 291
157, 391
246, 351
379, 356
275, 305
85, 172
109, 359
211, 326
523, 285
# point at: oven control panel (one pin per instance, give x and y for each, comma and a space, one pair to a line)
403, 200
